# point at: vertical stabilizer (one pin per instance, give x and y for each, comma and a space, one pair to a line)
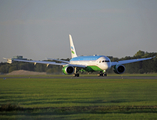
73, 52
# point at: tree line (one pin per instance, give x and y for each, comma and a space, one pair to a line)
149, 66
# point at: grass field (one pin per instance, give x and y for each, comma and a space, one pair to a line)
40, 98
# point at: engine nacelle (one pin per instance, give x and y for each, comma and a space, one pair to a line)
68, 70
119, 69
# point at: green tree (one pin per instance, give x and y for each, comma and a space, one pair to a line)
4, 68
26, 66
40, 67
139, 54
49, 71
12, 68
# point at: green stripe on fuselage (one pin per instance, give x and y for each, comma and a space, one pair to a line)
92, 68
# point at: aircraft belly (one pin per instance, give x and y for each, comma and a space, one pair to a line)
92, 68
91, 65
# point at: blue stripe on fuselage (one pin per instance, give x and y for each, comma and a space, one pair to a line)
86, 58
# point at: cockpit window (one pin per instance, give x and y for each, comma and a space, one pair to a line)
107, 61
104, 61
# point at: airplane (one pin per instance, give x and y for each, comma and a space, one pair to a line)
96, 63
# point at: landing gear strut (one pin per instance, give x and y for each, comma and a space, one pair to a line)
75, 73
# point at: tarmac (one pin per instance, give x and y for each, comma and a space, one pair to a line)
110, 77
84, 77
117, 77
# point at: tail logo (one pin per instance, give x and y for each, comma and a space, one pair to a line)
72, 50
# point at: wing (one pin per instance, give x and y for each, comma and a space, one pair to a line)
58, 60
49, 63
42, 62
130, 61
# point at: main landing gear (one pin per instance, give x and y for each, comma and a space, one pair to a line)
76, 75
102, 74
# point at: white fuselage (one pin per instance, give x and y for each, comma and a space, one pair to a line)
101, 62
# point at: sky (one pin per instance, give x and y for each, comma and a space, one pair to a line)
39, 29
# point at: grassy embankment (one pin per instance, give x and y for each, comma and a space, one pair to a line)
78, 98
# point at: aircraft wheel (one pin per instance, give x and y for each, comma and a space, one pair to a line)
76, 75
102, 74
105, 74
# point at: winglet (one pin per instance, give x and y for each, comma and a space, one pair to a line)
73, 52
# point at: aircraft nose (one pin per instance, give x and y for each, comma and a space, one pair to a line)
107, 65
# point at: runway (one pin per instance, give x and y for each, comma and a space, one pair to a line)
83, 77
110, 77
116, 77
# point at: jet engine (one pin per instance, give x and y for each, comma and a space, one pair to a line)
119, 69
68, 70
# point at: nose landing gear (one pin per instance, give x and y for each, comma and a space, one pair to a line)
102, 74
